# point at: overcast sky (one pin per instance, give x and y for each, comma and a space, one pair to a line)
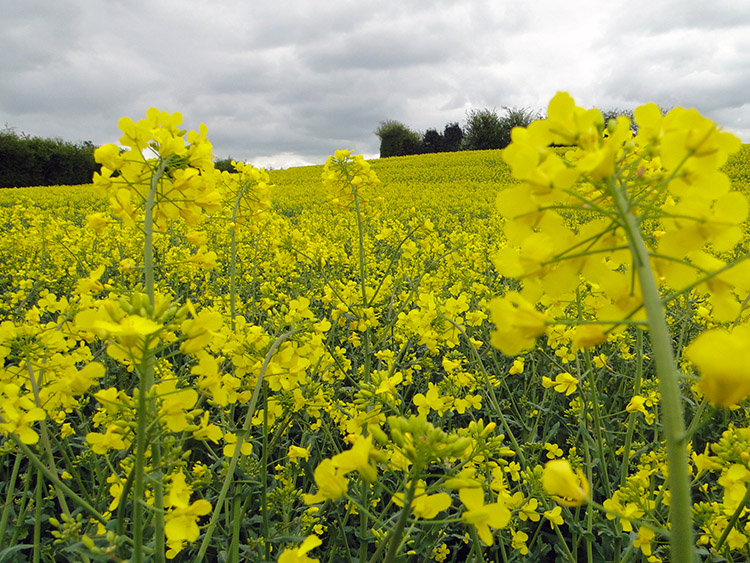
284, 83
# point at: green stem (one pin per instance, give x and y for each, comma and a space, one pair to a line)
476, 546
55, 480
38, 517
147, 405
680, 514
232, 275
138, 470
9, 493
632, 416
234, 546
600, 441
233, 259
265, 523
395, 537
44, 432
363, 284
733, 521
241, 437
148, 224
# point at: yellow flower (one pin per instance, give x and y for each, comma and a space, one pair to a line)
570, 124
517, 366
637, 404
347, 177
587, 336
483, 516
424, 505
723, 361
643, 540
200, 330
17, 412
331, 483
112, 439
563, 383
734, 480
357, 459
181, 525
299, 554
128, 331
175, 402
431, 401
553, 450
97, 222
440, 553
566, 487
207, 431
179, 491
181, 522
231, 445
295, 452
517, 324
519, 540
554, 516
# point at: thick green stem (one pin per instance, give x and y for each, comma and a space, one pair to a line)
398, 529
680, 514
147, 404
148, 231
140, 463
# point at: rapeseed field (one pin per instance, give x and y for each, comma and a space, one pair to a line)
535, 354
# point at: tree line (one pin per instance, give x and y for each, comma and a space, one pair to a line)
33, 161
484, 129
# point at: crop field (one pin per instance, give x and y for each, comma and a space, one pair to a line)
535, 354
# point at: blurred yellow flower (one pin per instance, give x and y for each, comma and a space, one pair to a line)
566, 487
483, 516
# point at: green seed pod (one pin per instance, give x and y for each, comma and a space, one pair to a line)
378, 434
398, 437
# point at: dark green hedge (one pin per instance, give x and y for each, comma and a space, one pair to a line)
33, 161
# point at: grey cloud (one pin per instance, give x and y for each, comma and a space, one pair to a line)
293, 81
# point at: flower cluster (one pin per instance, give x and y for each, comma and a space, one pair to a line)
157, 153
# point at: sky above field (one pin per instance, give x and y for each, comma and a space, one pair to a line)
287, 82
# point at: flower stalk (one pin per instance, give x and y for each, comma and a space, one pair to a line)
680, 508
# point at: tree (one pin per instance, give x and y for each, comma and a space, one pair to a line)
396, 139
485, 129
453, 135
516, 117
432, 141
225, 164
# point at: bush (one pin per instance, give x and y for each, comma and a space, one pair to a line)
396, 139
485, 129
33, 161
225, 165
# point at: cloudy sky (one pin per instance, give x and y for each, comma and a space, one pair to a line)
287, 82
